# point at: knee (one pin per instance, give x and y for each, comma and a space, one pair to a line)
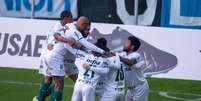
47, 80
59, 85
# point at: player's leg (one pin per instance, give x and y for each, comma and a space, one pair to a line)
57, 93
129, 95
140, 93
77, 92
46, 82
144, 92
88, 93
71, 71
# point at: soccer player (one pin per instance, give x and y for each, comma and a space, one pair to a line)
58, 33
136, 82
114, 85
109, 89
91, 69
58, 30
100, 85
57, 49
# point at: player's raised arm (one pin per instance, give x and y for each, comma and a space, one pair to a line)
65, 17
90, 46
65, 40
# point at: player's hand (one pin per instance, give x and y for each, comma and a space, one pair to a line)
108, 54
86, 66
50, 46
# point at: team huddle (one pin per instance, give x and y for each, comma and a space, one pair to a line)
96, 71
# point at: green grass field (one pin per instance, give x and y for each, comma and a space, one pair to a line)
22, 85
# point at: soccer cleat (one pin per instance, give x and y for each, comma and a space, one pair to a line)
35, 98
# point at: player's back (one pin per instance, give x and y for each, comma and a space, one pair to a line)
89, 77
115, 79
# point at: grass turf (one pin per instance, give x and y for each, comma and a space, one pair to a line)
23, 85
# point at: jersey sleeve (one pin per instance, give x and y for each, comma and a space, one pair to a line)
90, 46
134, 56
57, 28
140, 65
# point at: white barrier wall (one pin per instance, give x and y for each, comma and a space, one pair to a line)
21, 42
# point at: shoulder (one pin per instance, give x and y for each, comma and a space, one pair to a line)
122, 53
134, 55
57, 25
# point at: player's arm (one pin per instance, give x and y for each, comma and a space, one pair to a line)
100, 70
60, 38
143, 65
131, 60
90, 46
127, 61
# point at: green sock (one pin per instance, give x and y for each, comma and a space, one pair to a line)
56, 96
43, 91
50, 89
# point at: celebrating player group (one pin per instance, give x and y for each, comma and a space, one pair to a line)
96, 71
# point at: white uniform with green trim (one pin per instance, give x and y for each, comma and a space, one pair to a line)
114, 82
52, 61
136, 82
84, 89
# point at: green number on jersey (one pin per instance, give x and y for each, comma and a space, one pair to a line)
120, 74
89, 74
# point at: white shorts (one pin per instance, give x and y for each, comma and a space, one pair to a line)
113, 95
83, 92
51, 67
99, 89
138, 93
70, 68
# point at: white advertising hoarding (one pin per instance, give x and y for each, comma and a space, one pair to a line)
174, 50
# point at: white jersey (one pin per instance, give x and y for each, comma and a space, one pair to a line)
72, 32
57, 28
98, 68
114, 80
134, 74
60, 50
106, 81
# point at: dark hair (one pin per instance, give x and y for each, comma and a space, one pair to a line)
102, 43
135, 42
89, 23
65, 14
